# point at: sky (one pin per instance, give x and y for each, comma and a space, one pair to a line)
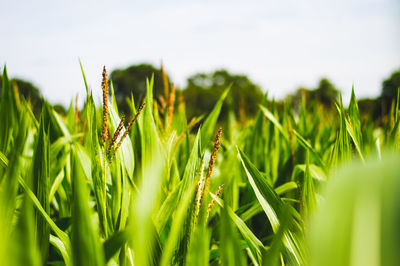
280, 45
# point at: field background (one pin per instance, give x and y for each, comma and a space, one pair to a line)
293, 182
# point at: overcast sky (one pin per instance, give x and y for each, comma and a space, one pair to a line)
280, 45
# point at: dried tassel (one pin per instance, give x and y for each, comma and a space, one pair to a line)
162, 101
116, 134
128, 128
104, 86
200, 189
171, 103
218, 193
213, 157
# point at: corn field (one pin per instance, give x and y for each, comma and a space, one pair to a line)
304, 186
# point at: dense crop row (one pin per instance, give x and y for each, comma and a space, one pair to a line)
95, 188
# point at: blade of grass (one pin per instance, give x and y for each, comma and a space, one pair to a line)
41, 184
61, 235
177, 223
231, 253
84, 80
86, 244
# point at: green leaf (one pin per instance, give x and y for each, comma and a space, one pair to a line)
97, 161
84, 80
354, 116
41, 184
231, 253
353, 136
56, 184
167, 208
125, 151
113, 101
316, 172
86, 244
9, 114
272, 255
308, 192
3, 160
9, 185
353, 124
269, 200
193, 163
178, 220
150, 141
144, 240
309, 148
24, 232
358, 222
285, 187
114, 243
342, 148
198, 254
274, 121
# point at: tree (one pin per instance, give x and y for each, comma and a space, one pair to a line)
326, 94
132, 80
370, 107
390, 86
204, 89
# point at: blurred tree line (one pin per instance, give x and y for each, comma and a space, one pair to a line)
326, 93
203, 90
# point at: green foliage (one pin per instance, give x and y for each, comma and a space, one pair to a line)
391, 85
326, 93
201, 93
85, 241
41, 184
357, 224
204, 89
67, 197
132, 81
